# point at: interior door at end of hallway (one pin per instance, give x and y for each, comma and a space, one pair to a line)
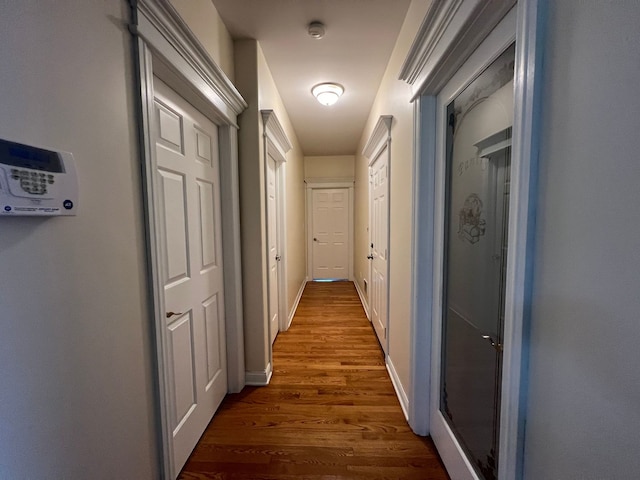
379, 246
189, 232
330, 245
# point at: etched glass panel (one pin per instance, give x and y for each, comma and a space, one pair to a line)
478, 159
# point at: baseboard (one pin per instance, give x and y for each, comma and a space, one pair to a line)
363, 299
258, 378
296, 302
397, 385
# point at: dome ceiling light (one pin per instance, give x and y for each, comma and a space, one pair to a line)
327, 93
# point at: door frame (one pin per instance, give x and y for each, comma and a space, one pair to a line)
379, 143
498, 41
450, 32
318, 184
164, 46
277, 145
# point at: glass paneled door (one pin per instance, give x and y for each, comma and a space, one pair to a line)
477, 165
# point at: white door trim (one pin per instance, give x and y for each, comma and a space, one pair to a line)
450, 32
379, 143
428, 67
379, 138
318, 185
276, 145
424, 119
164, 46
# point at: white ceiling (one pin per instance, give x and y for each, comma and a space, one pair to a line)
360, 36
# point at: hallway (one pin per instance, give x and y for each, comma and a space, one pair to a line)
330, 411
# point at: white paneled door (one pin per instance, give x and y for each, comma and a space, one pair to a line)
273, 249
379, 235
187, 176
330, 230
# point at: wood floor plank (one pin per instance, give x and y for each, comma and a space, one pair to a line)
330, 412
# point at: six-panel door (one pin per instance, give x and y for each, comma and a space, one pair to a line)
188, 202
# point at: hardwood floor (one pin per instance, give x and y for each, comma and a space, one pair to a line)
330, 411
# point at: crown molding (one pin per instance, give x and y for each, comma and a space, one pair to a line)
329, 182
449, 33
433, 26
164, 18
274, 131
381, 134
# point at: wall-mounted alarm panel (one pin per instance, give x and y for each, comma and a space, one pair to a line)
36, 182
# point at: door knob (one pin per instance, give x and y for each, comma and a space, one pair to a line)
315, 239
498, 346
171, 314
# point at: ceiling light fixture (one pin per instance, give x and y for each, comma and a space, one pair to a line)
316, 30
327, 93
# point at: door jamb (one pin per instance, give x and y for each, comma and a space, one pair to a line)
164, 46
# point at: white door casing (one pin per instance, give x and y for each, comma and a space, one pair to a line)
432, 62
331, 233
378, 151
189, 205
276, 145
166, 48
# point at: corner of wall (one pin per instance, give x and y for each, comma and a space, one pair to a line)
252, 216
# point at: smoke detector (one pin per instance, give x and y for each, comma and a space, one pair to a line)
316, 30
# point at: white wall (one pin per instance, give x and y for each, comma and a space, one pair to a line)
583, 418
329, 166
76, 389
252, 216
393, 98
254, 81
269, 99
204, 21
